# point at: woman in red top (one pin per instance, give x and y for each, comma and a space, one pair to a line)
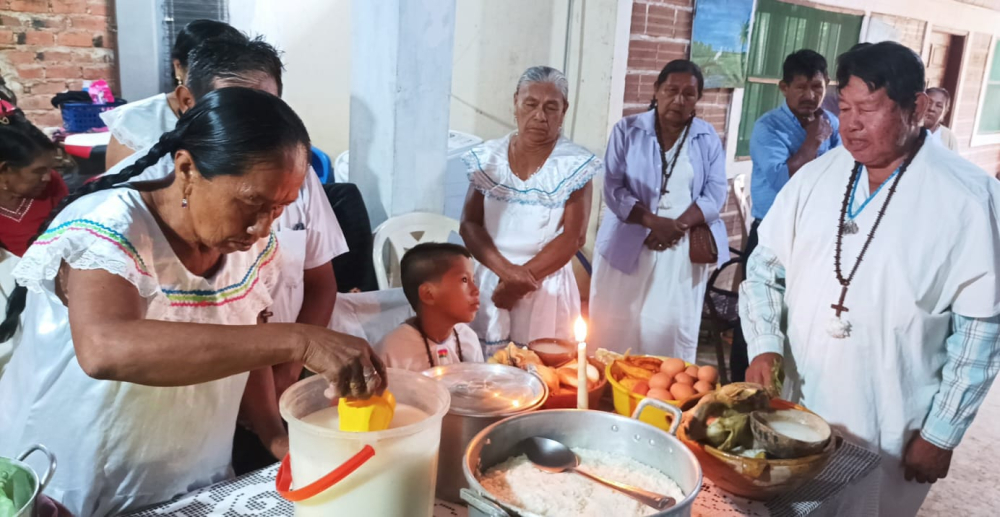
29, 188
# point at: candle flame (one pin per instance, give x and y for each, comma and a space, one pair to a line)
580, 329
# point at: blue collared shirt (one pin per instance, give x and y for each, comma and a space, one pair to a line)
778, 135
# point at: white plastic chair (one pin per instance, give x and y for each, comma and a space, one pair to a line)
402, 233
741, 190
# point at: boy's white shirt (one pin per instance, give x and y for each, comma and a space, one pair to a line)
404, 348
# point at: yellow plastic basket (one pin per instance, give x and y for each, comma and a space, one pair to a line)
625, 401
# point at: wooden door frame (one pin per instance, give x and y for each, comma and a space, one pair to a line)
966, 36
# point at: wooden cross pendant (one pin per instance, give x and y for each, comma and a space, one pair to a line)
839, 306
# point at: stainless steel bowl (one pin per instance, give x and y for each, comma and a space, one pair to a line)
481, 394
17, 468
597, 430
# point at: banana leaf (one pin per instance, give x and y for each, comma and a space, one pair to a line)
730, 431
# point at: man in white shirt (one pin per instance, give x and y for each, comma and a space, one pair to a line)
877, 283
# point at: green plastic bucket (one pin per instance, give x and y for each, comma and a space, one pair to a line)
19, 484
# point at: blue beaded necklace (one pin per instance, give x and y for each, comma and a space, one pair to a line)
851, 227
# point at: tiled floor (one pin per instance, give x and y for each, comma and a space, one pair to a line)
972, 488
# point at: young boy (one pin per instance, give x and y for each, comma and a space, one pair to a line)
438, 283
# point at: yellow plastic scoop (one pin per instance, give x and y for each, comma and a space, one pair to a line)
361, 416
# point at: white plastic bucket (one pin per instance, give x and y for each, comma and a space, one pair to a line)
398, 480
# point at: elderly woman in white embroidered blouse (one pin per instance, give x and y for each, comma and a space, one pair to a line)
135, 322
526, 217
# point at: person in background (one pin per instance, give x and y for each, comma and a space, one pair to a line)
193, 34
307, 230
940, 103
665, 173
783, 140
140, 303
791, 135
525, 217
29, 186
877, 285
439, 282
137, 125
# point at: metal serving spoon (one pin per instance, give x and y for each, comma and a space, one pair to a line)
552, 456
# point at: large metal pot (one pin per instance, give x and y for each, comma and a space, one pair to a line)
597, 430
17, 471
481, 395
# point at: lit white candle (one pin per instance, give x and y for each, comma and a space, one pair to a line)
580, 329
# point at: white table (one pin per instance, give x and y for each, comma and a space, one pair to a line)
254, 495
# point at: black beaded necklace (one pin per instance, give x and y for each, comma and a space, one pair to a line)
665, 171
845, 282
427, 344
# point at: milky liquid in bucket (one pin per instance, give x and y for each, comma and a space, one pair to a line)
398, 481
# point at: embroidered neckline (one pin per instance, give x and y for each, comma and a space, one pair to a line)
496, 184
18, 213
228, 294
177, 297
100, 231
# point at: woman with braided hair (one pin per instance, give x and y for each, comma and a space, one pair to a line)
665, 174
135, 325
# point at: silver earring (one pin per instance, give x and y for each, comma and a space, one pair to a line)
184, 202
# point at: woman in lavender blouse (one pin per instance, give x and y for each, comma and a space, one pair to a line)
646, 294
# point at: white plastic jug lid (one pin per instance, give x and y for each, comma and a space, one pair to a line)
489, 390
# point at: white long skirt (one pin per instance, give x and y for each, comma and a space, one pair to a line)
657, 309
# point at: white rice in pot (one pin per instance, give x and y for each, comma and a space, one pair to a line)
520, 484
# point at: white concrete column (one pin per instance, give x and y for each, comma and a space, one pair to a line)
401, 62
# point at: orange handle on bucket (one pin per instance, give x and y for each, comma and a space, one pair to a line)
283, 481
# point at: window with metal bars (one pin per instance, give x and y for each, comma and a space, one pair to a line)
177, 14
780, 29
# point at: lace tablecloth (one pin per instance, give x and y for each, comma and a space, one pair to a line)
254, 495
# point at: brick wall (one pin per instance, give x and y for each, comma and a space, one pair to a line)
987, 157
661, 32
48, 46
910, 32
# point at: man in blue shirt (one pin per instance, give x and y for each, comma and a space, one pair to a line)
791, 135
783, 140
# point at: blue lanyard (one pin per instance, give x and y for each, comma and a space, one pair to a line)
851, 214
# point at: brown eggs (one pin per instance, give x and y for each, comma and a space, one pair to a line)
660, 394
668, 379
708, 374
703, 387
672, 366
683, 378
660, 381
682, 391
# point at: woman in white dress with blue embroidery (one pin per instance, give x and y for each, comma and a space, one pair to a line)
136, 322
526, 217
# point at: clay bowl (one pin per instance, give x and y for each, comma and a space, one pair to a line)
553, 352
565, 398
790, 433
759, 479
